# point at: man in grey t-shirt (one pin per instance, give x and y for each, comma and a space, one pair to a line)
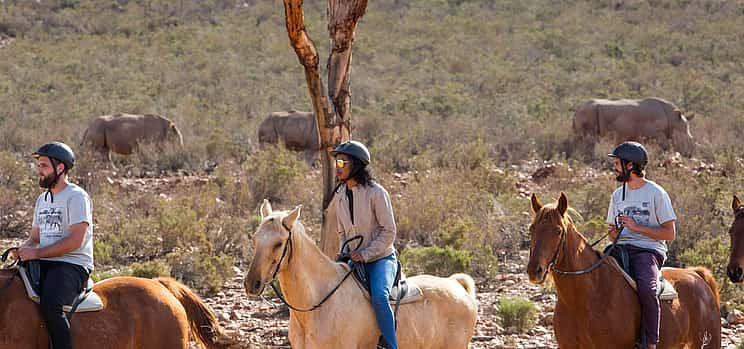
61, 239
640, 217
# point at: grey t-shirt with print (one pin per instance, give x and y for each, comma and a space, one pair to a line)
71, 206
649, 206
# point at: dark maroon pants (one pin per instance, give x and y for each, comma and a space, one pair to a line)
645, 265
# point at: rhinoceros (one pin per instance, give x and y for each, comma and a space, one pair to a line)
296, 129
631, 119
121, 133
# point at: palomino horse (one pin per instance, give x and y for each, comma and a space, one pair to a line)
444, 319
599, 309
736, 260
138, 313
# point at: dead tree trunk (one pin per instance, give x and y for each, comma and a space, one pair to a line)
332, 107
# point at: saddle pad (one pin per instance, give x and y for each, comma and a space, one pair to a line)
91, 303
665, 292
412, 295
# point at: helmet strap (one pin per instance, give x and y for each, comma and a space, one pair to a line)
54, 163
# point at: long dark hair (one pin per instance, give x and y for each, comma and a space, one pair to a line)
360, 172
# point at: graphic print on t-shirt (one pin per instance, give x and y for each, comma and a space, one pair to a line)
50, 223
639, 210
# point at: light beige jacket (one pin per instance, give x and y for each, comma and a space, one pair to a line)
373, 220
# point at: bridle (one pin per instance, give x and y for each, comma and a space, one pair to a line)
288, 246
562, 246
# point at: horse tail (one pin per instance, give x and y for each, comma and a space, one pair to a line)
466, 281
202, 320
710, 280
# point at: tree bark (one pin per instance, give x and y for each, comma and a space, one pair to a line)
333, 114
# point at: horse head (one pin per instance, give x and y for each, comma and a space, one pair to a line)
735, 269
272, 246
547, 232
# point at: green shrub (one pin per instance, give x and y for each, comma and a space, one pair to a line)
273, 173
201, 271
150, 269
435, 260
713, 254
519, 313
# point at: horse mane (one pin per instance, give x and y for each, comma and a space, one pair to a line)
276, 218
739, 213
550, 212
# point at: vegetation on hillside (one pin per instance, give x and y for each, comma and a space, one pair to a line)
459, 101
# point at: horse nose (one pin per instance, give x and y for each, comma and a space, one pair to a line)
256, 286
539, 271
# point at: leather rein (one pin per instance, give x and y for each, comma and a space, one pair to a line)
562, 246
3, 258
288, 246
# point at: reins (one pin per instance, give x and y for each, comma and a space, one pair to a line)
289, 246
3, 258
562, 246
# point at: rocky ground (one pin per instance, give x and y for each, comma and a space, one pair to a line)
257, 321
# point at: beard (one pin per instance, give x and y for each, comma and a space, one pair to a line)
47, 181
622, 177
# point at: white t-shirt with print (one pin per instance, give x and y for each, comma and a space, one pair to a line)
71, 206
649, 206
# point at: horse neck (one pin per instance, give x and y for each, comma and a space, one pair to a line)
576, 255
309, 274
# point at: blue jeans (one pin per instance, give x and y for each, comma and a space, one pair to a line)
381, 274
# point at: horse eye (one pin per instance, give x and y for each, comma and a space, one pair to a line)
278, 244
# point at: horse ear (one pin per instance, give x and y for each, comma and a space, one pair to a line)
292, 216
536, 205
265, 209
562, 204
736, 204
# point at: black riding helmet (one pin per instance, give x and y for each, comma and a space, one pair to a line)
355, 149
57, 151
632, 152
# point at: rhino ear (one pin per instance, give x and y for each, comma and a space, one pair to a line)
736, 204
536, 205
265, 209
563, 204
690, 116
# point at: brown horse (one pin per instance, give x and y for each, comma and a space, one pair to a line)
599, 309
139, 313
735, 269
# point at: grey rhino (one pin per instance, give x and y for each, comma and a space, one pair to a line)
633, 119
296, 129
121, 133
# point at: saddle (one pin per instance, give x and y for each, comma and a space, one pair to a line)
86, 301
402, 292
621, 262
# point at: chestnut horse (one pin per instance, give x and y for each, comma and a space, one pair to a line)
735, 268
444, 319
599, 309
138, 313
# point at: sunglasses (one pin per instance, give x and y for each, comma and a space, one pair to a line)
341, 163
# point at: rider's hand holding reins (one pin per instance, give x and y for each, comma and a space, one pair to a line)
357, 257
27, 253
612, 232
